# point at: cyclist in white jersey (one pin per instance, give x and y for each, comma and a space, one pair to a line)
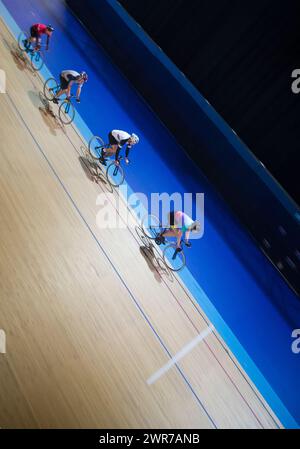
117, 139
67, 79
180, 224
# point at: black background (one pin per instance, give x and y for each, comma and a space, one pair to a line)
240, 54
86, 439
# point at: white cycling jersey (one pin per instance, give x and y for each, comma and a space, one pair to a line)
70, 75
120, 136
182, 220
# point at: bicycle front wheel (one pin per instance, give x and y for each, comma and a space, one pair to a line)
175, 262
95, 147
37, 60
50, 88
151, 226
22, 39
66, 112
115, 174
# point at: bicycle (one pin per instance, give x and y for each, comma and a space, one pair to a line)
36, 56
152, 228
66, 110
114, 172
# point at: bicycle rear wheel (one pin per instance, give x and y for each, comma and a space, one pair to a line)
151, 226
175, 262
50, 88
95, 147
21, 41
66, 112
115, 174
37, 60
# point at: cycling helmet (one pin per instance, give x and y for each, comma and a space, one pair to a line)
50, 28
135, 138
84, 76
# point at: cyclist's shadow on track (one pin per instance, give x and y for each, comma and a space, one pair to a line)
15, 53
92, 171
152, 257
11, 46
19, 58
7, 44
50, 119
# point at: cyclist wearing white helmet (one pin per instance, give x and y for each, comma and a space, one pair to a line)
180, 224
67, 79
117, 139
36, 32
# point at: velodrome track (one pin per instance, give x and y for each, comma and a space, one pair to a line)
88, 319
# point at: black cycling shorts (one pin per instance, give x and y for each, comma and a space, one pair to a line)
34, 33
172, 218
112, 140
63, 83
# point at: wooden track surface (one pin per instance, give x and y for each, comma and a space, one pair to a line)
88, 319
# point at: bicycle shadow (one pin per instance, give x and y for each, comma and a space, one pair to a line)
149, 256
34, 98
20, 58
48, 116
92, 171
90, 174
153, 258
12, 47
7, 44
51, 121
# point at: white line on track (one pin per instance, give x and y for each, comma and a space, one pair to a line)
183, 352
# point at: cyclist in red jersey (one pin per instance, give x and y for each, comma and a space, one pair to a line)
36, 32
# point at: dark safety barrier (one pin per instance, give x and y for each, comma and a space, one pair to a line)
260, 203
